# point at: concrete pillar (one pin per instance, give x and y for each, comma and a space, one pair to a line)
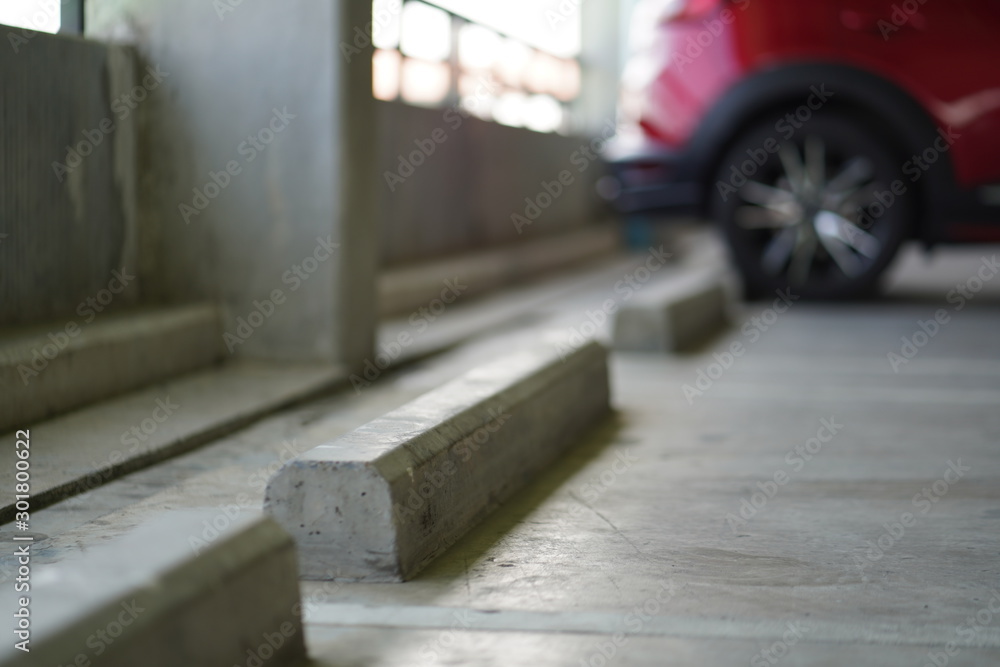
256, 154
601, 58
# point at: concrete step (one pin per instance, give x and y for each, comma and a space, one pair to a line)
405, 289
51, 369
80, 451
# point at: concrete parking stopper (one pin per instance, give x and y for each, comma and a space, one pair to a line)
175, 593
675, 314
383, 501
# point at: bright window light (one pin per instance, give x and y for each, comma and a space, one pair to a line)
514, 60
479, 106
426, 32
544, 74
40, 15
478, 47
478, 95
385, 24
510, 109
568, 86
425, 83
543, 113
551, 26
385, 74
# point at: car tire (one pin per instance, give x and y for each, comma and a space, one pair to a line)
819, 208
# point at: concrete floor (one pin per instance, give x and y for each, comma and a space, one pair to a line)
873, 550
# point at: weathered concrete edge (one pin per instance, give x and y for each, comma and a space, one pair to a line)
218, 607
463, 449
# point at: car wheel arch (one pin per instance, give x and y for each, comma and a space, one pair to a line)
766, 93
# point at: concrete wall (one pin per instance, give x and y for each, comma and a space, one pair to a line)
67, 218
270, 73
462, 195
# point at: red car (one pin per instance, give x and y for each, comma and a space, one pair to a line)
819, 135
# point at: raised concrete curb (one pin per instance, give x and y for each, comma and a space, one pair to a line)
381, 502
47, 370
147, 600
675, 314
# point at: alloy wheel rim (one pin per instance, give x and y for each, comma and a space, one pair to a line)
812, 212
